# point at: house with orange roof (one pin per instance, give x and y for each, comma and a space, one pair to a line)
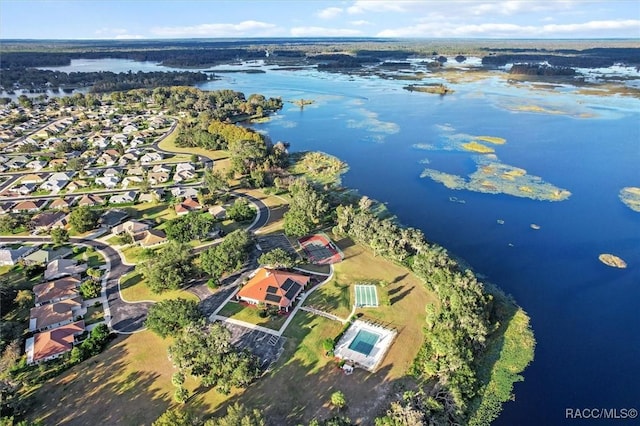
188, 205
52, 344
273, 287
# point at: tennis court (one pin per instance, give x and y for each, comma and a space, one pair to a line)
319, 249
366, 296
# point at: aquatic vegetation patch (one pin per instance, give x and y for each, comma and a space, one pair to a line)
492, 139
491, 175
630, 196
478, 147
494, 177
318, 166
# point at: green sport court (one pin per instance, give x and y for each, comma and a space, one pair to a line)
366, 296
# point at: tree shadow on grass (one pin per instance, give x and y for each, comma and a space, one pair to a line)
131, 281
100, 390
399, 296
299, 387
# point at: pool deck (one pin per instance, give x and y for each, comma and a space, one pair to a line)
368, 362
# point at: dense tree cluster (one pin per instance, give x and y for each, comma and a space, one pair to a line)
169, 269
241, 211
193, 226
307, 209
228, 256
100, 82
92, 345
277, 258
209, 355
83, 219
168, 317
458, 329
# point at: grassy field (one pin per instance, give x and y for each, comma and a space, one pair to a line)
277, 205
402, 298
169, 144
157, 211
251, 315
127, 384
134, 289
130, 382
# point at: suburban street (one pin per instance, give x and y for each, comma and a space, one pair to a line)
128, 317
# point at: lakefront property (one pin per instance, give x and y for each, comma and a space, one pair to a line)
178, 248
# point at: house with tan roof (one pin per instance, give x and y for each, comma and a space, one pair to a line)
131, 227
54, 315
90, 200
52, 344
56, 291
29, 206
59, 204
152, 238
273, 287
32, 178
63, 267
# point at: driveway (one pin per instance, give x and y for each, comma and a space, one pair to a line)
125, 317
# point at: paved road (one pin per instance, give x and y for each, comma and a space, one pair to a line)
125, 317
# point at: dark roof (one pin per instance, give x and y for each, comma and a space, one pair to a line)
272, 298
113, 217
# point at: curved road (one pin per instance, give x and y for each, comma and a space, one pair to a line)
128, 317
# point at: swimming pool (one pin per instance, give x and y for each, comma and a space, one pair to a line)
364, 342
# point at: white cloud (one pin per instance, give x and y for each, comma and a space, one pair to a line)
605, 28
360, 23
324, 32
330, 12
244, 28
362, 6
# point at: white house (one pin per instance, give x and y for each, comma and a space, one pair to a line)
108, 181
125, 197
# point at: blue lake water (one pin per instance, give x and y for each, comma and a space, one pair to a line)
585, 315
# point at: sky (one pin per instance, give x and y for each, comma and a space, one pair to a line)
163, 19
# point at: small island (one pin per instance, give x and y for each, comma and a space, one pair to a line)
630, 196
302, 102
436, 89
612, 260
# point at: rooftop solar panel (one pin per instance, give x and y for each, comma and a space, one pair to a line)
272, 290
273, 298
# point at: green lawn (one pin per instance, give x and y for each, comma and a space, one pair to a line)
134, 289
169, 144
251, 315
93, 259
95, 314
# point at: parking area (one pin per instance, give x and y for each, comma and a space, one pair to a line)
270, 242
266, 346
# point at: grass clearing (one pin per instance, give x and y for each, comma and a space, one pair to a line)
133, 288
251, 314
159, 212
169, 144
403, 298
94, 315
127, 384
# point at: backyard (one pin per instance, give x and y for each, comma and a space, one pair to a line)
251, 314
134, 289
